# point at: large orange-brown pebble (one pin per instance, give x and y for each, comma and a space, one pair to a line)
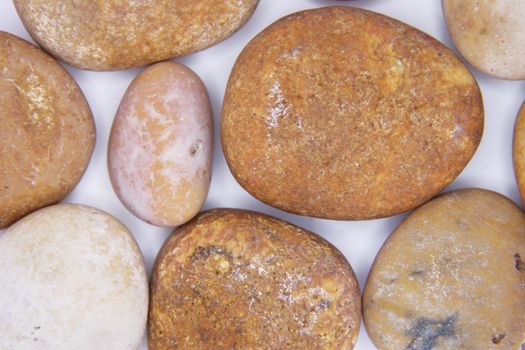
47, 133
342, 113
451, 276
109, 35
490, 34
233, 279
519, 151
161, 145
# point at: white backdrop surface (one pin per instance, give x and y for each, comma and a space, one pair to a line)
491, 167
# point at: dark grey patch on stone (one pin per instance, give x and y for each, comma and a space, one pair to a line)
324, 304
520, 264
497, 338
417, 273
203, 253
426, 332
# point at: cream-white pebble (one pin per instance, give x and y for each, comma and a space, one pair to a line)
489, 34
161, 145
71, 277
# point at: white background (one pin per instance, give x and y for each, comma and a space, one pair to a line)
490, 168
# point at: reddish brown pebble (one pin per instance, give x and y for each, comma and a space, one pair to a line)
108, 35
47, 132
343, 113
234, 279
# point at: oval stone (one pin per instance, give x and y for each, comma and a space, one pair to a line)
241, 280
519, 151
161, 145
109, 35
342, 113
451, 276
47, 132
71, 277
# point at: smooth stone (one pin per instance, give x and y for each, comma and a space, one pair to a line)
342, 113
161, 145
47, 131
109, 35
451, 276
489, 34
71, 277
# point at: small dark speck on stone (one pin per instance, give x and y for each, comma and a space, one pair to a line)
496, 339
461, 223
417, 272
196, 148
426, 332
324, 304
520, 264
36, 327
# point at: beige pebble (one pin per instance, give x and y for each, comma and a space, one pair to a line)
161, 145
490, 34
451, 276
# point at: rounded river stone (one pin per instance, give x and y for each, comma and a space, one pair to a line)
451, 276
47, 132
109, 35
234, 279
342, 113
71, 277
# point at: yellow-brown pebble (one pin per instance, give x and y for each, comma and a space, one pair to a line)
451, 276
343, 113
519, 151
234, 279
110, 34
47, 132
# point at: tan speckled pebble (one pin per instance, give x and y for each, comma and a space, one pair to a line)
234, 279
161, 145
490, 34
47, 133
519, 151
451, 276
108, 35
343, 113
71, 277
